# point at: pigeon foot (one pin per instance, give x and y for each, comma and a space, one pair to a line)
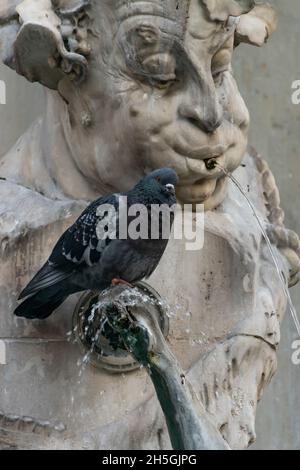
120, 282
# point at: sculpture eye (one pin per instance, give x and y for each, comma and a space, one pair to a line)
160, 70
160, 63
163, 84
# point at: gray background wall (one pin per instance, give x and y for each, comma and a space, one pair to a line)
265, 77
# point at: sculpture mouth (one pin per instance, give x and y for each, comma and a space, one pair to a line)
199, 161
211, 163
204, 169
204, 152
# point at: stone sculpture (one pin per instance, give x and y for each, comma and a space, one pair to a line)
132, 86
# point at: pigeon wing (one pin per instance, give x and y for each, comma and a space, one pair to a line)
80, 246
47, 276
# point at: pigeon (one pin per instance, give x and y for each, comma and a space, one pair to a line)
87, 258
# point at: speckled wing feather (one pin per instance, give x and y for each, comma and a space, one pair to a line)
78, 247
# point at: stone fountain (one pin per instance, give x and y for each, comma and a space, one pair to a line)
132, 86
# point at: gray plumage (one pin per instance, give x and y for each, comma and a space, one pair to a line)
83, 260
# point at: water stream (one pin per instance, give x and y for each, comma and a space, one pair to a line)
268, 242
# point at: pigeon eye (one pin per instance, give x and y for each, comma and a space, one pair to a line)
158, 178
170, 187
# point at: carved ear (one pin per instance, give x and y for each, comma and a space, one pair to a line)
37, 40
257, 26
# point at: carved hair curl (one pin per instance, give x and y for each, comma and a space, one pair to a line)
45, 40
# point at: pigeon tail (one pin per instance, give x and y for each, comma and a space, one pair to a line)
41, 304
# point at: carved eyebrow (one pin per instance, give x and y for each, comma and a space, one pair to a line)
220, 29
140, 8
167, 31
218, 39
219, 35
176, 11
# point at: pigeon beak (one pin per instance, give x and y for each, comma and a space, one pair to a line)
170, 187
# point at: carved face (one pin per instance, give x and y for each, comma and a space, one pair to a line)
161, 93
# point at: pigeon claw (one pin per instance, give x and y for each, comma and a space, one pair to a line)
120, 282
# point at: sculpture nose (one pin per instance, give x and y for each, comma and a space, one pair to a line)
208, 120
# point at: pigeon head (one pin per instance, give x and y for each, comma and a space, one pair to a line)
163, 180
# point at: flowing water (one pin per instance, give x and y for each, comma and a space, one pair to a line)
268, 242
129, 297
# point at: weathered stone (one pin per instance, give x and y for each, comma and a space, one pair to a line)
102, 129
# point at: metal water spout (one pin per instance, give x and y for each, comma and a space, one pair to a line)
123, 329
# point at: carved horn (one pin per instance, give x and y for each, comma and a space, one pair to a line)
33, 43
